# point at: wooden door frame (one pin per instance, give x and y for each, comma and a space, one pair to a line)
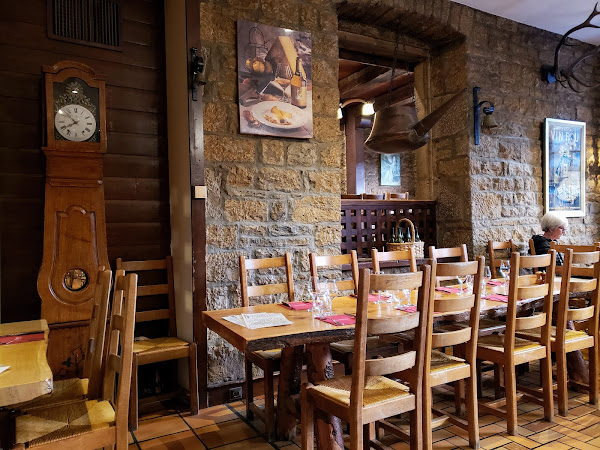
198, 209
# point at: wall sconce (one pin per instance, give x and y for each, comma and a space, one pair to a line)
367, 108
197, 70
488, 120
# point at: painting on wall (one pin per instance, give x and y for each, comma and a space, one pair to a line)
390, 170
564, 167
274, 81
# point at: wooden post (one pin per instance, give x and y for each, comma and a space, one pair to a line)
290, 372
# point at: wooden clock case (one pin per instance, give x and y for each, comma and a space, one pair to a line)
74, 224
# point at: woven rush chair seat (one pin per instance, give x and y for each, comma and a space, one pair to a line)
71, 390
373, 344
442, 361
378, 390
46, 425
158, 344
571, 335
495, 342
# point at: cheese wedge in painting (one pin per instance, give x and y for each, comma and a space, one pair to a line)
283, 51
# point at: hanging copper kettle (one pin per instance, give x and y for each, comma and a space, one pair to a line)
397, 129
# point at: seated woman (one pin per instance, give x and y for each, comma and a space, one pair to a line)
553, 227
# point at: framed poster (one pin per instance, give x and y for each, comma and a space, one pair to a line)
274, 81
389, 170
564, 167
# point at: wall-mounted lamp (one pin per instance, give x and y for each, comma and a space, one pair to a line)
367, 108
488, 120
197, 70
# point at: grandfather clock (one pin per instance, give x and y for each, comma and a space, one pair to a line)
74, 219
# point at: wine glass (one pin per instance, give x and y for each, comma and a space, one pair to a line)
505, 271
487, 276
469, 280
461, 279
283, 77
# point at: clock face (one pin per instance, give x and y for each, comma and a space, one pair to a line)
75, 123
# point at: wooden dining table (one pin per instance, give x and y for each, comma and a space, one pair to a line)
312, 337
23, 347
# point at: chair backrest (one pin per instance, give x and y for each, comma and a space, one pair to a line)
266, 289
93, 368
569, 285
398, 255
373, 196
120, 350
495, 261
398, 195
450, 335
411, 361
352, 196
521, 288
531, 247
317, 261
575, 271
163, 267
459, 252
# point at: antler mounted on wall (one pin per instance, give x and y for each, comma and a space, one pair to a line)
566, 75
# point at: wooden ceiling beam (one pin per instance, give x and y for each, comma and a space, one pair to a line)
371, 46
403, 94
364, 76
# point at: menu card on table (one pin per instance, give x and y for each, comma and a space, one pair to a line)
259, 320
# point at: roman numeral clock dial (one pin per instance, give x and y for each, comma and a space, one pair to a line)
75, 122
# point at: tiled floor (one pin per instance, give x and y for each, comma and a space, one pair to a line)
225, 427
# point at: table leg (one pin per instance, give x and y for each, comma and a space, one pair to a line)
290, 373
319, 368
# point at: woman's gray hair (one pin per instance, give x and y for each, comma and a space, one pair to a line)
551, 221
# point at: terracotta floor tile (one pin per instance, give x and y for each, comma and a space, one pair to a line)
577, 444
546, 436
440, 434
186, 440
443, 444
257, 443
581, 410
490, 430
494, 442
593, 430
569, 432
133, 447
216, 414
160, 426
538, 426
225, 433
554, 446
595, 442
524, 441
514, 446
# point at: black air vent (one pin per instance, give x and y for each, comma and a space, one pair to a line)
93, 21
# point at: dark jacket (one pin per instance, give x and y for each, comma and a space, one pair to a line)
541, 244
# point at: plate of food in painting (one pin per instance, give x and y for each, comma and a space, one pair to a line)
279, 115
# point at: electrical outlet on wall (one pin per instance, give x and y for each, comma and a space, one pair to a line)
235, 394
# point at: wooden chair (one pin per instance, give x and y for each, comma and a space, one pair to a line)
531, 247
564, 340
317, 261
352, 196
367, 396
92, 423
159, 349
398, 255
90, 386
373, 196
510, 351
575, 270
267, 360
397, 196
461, 366
494, 260
456, 253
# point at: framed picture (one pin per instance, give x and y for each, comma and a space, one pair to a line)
274, 81
564, 167
390, 170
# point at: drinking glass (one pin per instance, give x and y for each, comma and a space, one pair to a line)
469, 280
461, 279
505, 271
283, 77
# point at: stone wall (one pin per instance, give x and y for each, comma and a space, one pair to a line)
266, 196
373, 174
504, 59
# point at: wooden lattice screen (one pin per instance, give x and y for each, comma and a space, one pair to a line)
367, 224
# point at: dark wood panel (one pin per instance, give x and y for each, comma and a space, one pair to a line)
18, 135
20, 111
22, 186
141, 11
140, 33
136, 189
137, 144
20, 85
22, 160
127, 234
17, 212
134, 100
117, 74
122, 166
25, 36
156, 251
135, 122
122, 211
30, 11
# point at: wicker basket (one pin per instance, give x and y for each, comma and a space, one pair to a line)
419, 247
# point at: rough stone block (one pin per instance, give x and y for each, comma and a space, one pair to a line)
227, 149
484, 204
325, 44
222, 267
308, 16
273, 152
277, 210
325, 100
222, 236
326, 129
216, 24
241, 176
327, 235
275, 9
217, 298
328, 21
331, 154
325, 71
245, 210
324, 181
276, 179
314, 209
215, 117
213, 190
302, 154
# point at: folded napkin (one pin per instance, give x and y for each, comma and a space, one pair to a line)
410, 309
449, 290
297, 305
496, 297
341, 319
495, 283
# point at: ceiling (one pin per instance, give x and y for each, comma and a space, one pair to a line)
557, 16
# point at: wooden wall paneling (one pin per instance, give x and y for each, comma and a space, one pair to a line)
137, 144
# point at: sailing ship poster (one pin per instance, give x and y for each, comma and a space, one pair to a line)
564, 167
